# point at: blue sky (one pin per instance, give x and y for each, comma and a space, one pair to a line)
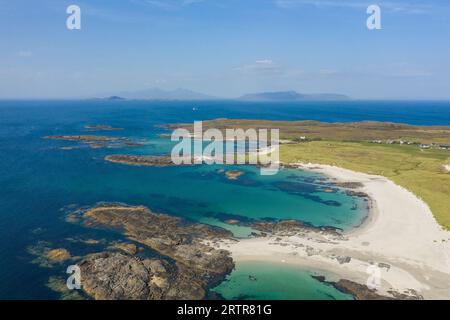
225, 47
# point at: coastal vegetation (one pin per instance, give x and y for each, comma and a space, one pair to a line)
370, 131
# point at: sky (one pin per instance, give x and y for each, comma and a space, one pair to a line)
225, 48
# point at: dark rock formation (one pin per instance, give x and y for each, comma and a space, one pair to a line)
150, 161
358, 194
96, 142
233, 174
186, 269
281, 226
100, 127
363, 292
349, 185
87, 138
116, 276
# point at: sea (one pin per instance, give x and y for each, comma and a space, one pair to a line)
41, 182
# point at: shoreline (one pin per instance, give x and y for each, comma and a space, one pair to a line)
399, 235
337, 174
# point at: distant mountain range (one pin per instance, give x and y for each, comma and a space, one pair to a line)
184, 94
291, 96
160, 94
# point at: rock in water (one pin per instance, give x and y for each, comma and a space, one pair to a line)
192, 268
116, 276
58, 255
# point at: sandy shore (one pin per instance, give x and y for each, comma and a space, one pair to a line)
400, 236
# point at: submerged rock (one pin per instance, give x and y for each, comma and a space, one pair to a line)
252, 278
233, 174
59, 285
46, 256
58, 255
232, 221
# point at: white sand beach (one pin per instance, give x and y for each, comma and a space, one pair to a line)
400, 235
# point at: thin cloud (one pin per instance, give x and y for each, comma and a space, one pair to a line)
261, 67
406, 70
168, 4
396, 7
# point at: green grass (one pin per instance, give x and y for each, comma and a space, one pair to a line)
420, 171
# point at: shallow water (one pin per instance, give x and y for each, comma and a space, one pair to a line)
38, 179
270, 281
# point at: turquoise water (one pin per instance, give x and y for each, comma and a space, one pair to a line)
38, 179
268, 281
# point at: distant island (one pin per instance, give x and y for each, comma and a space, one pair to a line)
108, 98
292, 96
114, 98
189, 95
160, 94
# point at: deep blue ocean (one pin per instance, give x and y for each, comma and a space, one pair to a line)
40, 182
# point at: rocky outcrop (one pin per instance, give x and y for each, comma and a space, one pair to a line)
58, 255
187, 266
117, 276
47, 257
100, 127
349, 185
292, 226
363, 292
233, 174
134, 160
96, 142
87, 138
129, 248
